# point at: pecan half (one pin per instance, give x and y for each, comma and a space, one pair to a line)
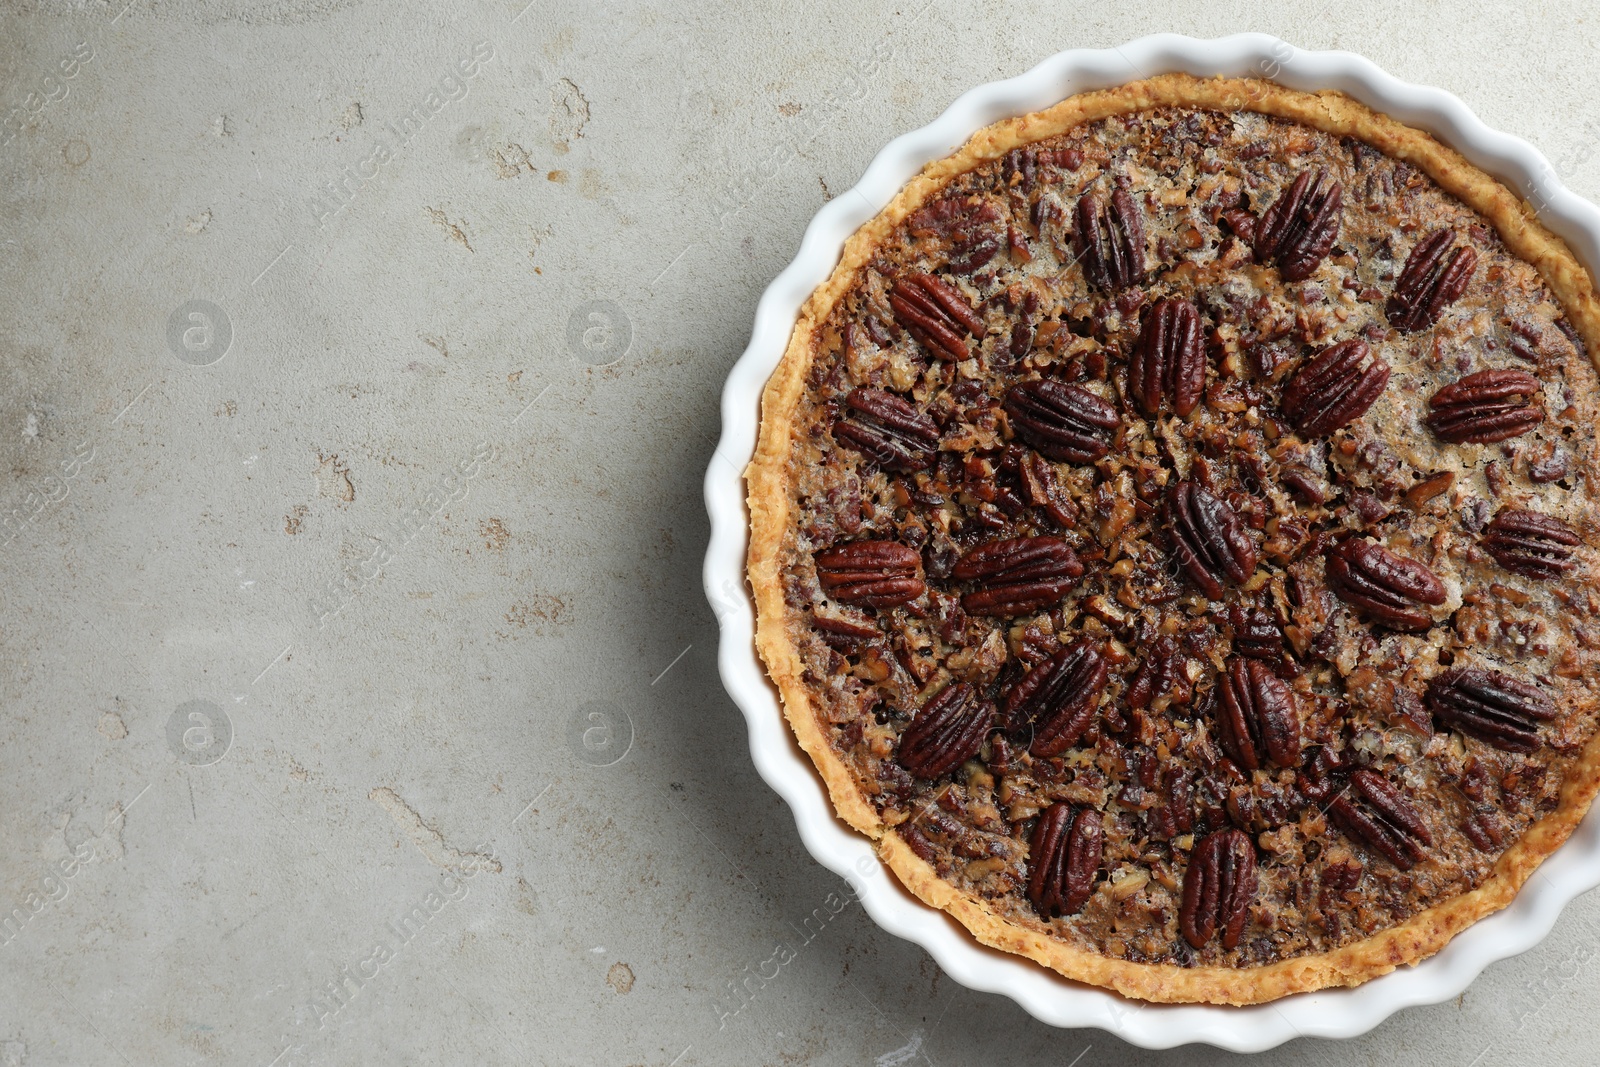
1374, 811
1429, 282
1064, 422
1301, 225
1241, 222
1169, 361
888, 430
934, 312
1021, 165
1484, 831
1043, 489
1530, 544
1493, 707
844, 623
1256, 716
968, 225
1160, 674
1489, 406
1109, 240
1208, 540
1017, 575
1330, 390
947, 732
872, 574
1057, 699
1391, 589
1218, 888
1254, 633
1063, 859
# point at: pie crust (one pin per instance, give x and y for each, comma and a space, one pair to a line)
771, 481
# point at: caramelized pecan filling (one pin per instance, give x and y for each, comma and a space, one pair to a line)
1192, 552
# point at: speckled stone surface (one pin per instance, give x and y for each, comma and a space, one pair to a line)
358, 370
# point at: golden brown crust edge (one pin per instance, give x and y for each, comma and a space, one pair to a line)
1424, 933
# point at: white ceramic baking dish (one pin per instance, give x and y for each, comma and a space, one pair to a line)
1334, 1013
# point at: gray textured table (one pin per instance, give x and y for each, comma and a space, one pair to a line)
358, 369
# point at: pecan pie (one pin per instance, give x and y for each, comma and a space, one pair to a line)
1173, 534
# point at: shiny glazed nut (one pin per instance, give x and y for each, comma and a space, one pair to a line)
871, 574
1064, 422
1256, 716
968, 226
1392, 590
1375, 812
1108, 240
1300, 226
1169, 362
1482, 408
1331, 389
1055, 701
1218, 888
887, 429
934, 312
948, 731
1208, 540
1491, 706
1254, 633
1063, 859
1160, 675
1430, 281
1530, 544
1017, 575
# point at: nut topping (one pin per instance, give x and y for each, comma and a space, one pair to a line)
1160, 675
1429, 282
1482, 408
1331, 390
1391, 589
1063, 859
1375, 812
1218, 889
1208, 540
1057, 699
1530, 544
936, 314
1109, 240
1256, 717
1022, 165
947, 732
1254, 633
1493, 707
1017, 575
1043, 489
1064, 422
1169, 361
1301, 226
871, 574
969, 226
888, 430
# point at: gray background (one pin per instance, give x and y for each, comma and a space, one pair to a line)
506, 698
